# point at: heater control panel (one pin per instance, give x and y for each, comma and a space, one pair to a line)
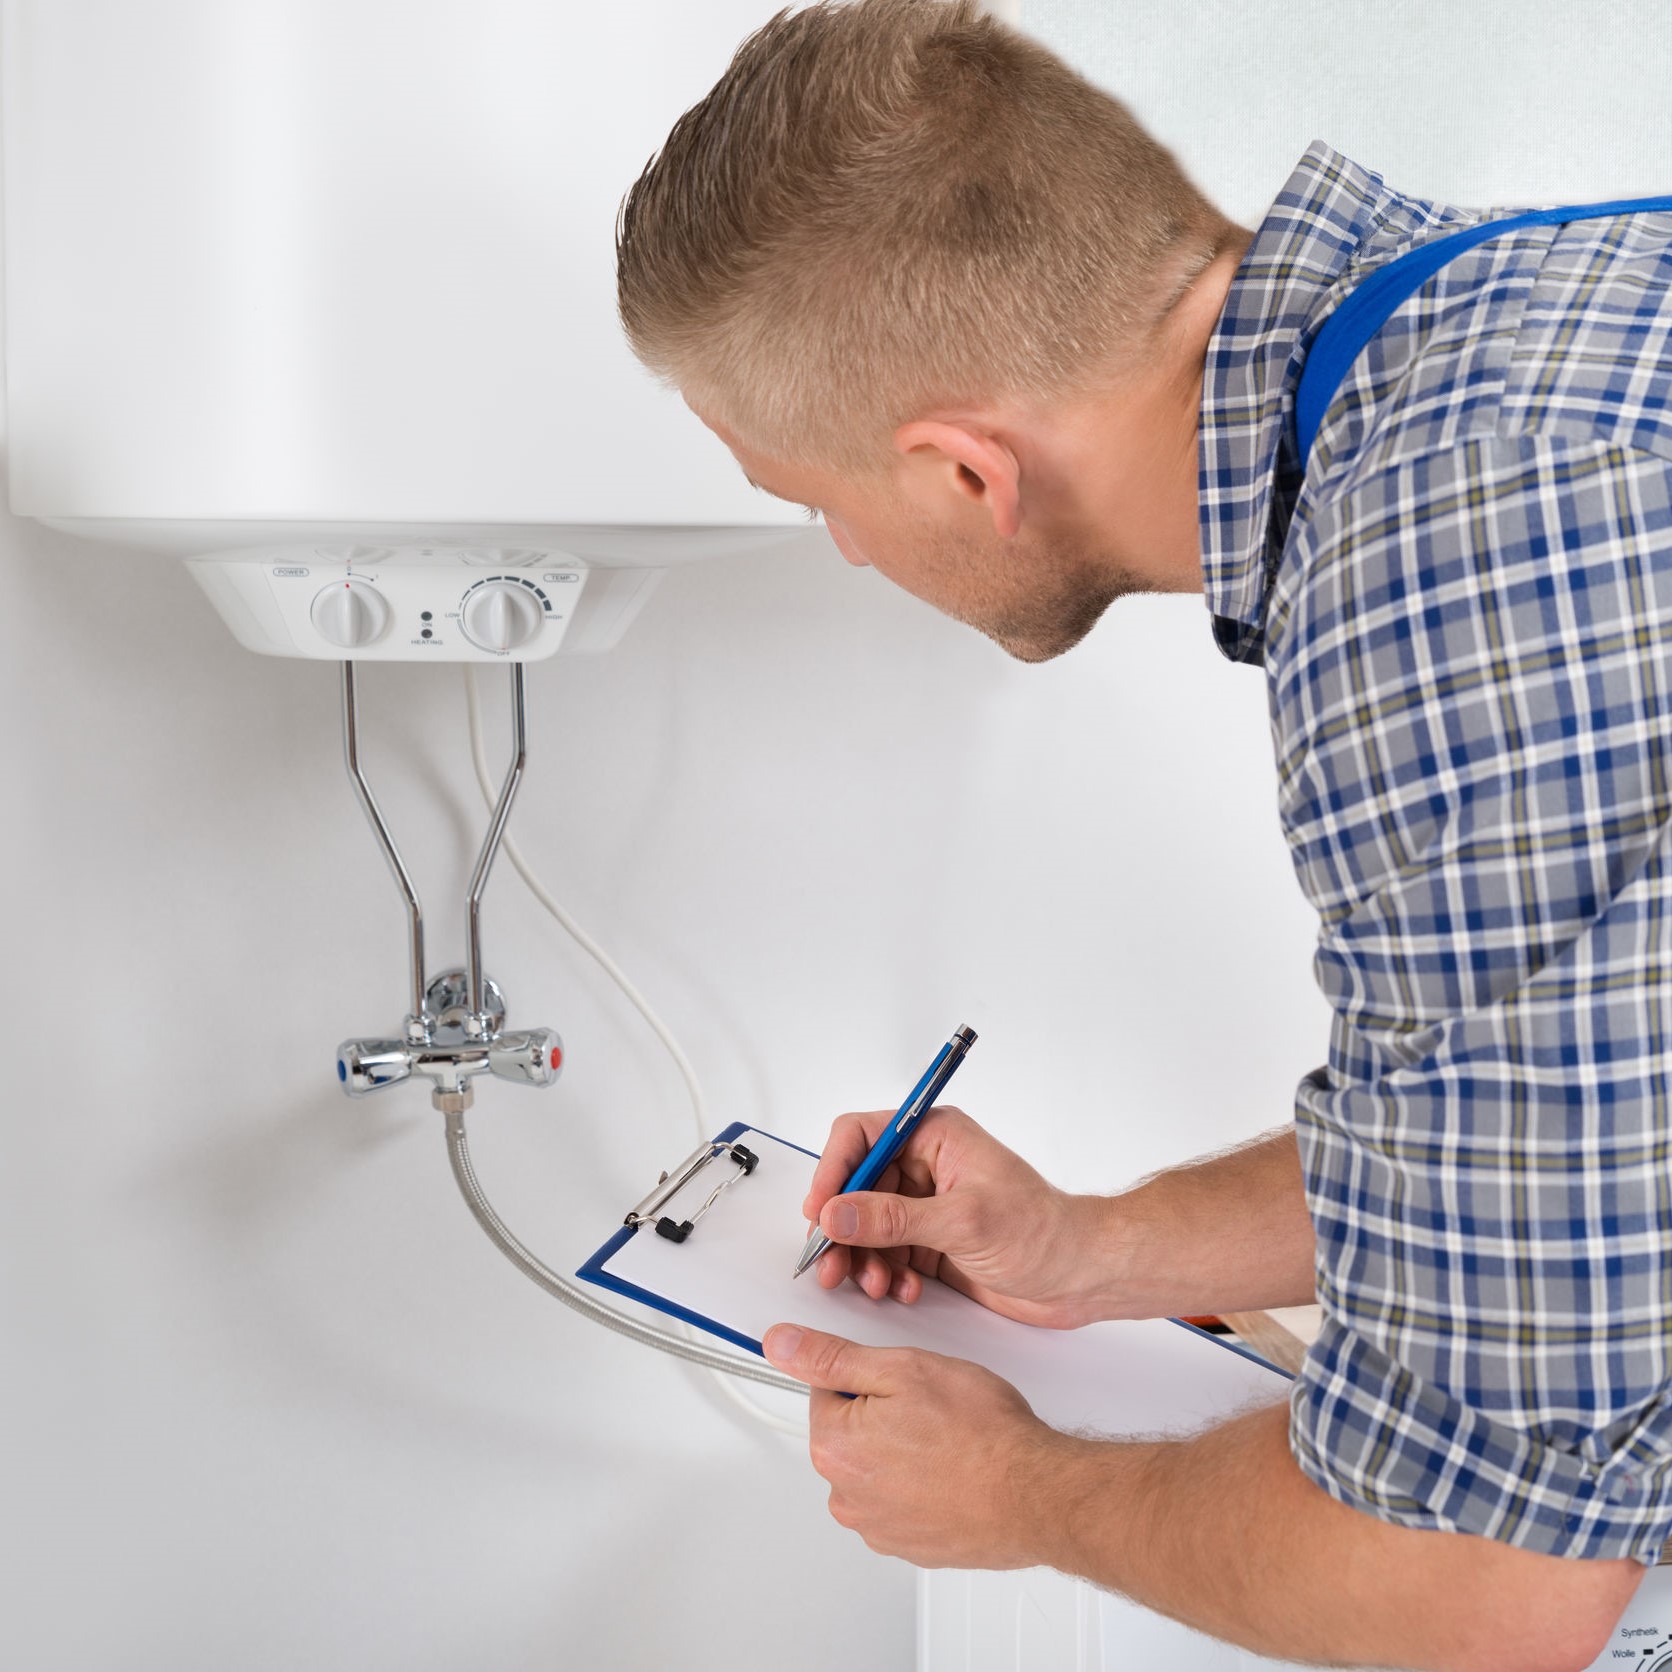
415, 604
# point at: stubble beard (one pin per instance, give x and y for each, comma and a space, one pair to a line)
1065, 597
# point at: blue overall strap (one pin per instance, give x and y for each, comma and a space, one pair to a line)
1368, 306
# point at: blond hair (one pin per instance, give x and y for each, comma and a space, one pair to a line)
886, 208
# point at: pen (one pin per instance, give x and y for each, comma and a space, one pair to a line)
894, 1135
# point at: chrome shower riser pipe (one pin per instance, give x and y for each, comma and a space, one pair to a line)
418, 1020
490, 847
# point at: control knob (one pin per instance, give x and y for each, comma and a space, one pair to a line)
500, 615
351, 613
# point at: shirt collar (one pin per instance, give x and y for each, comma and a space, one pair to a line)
1248, 472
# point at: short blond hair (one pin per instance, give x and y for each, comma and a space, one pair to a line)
886, 208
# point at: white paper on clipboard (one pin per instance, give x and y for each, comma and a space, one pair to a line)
731, 1276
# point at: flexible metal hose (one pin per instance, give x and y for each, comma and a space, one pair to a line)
711, 1358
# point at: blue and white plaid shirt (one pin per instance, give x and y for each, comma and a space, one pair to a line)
1464, 609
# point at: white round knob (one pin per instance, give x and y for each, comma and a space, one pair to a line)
500, 615
350, 614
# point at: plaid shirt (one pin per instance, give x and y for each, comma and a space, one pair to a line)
1464, 610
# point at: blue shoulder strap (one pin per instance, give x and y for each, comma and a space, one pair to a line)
1368, 306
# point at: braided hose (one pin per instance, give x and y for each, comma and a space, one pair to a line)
710, 1358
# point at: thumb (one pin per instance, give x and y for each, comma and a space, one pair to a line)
880, 1219
827, 1361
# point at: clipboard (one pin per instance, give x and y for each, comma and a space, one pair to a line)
714, 1244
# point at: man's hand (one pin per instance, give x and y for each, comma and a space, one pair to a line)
941, 1462
935, 1460
957, 1205
1227, 1233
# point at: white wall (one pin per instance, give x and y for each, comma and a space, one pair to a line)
269, 1400
1475, 102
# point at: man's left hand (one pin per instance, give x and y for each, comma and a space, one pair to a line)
935, 1459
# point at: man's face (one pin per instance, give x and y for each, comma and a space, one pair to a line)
1034, 593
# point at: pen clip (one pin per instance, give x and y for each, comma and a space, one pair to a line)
924, 1093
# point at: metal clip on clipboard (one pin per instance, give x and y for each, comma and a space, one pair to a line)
649, 1211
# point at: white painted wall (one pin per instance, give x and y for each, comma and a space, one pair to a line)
269, 1401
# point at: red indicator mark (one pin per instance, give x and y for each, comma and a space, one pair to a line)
557, 1056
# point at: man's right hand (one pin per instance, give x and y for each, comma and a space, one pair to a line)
957, 1205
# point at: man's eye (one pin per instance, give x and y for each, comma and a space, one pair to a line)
810, 512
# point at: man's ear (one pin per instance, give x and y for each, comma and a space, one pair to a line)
941, 461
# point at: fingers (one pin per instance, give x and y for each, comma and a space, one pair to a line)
891, 1274
904, 1283
850, 1140
885, 1238
837, 1265
883, 1219
829, 1361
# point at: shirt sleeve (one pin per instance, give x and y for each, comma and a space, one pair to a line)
1470, 665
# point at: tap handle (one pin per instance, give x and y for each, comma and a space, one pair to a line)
533, 1057
368, 1065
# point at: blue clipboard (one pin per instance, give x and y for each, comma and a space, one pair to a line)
731, 1279
595, 1270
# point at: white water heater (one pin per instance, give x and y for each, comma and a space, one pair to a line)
319, 295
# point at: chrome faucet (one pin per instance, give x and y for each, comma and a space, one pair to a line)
455, 1025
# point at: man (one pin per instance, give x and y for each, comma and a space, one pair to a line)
918, 275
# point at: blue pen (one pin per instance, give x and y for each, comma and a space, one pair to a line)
894, 1135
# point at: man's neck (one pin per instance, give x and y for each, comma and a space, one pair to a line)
1137, 440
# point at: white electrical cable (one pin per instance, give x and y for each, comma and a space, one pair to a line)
699, 1109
